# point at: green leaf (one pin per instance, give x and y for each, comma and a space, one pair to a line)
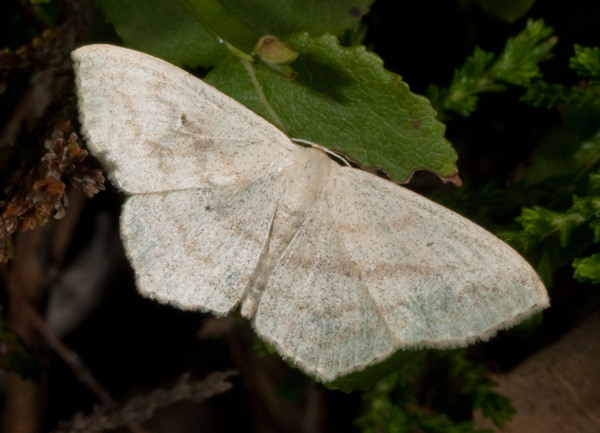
341, 98
163, 29
284, 17
587, 269
586, 62
223, 23
356, 35
190, 32
344, 99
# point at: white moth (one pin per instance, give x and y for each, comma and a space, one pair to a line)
336, 267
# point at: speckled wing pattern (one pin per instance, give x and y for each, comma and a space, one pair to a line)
338, 268
376, 268
159, 128
185, 153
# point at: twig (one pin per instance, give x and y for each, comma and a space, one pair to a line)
142, 407
82, 372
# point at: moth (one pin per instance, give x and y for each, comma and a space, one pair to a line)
336, 268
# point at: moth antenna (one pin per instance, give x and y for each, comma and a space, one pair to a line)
333, 154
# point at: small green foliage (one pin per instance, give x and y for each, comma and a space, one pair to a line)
394, 403
473, 78
542, 94
587, 269
518, 63
565, 168
540, 225
483, 72
14, 356
477, 385
587, 63
392, 399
